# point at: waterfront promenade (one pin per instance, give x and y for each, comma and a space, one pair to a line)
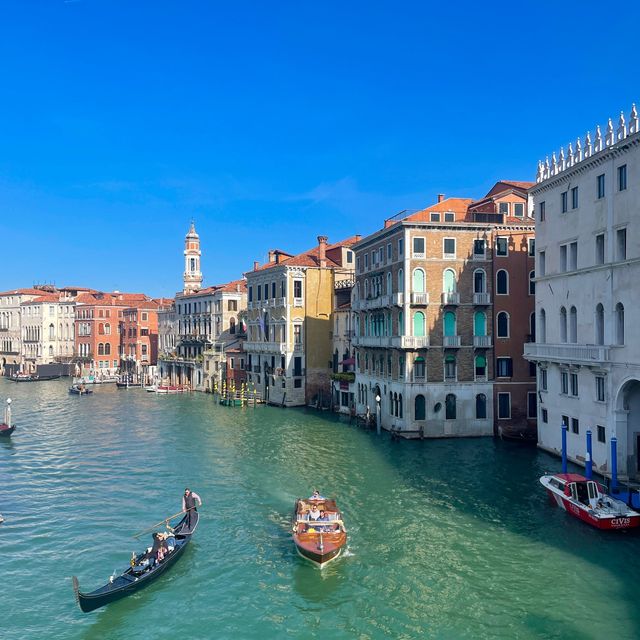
447, 539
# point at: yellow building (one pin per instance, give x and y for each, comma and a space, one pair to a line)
289, 322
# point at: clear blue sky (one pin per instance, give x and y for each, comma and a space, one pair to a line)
273, 122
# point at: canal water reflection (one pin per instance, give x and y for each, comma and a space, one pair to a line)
447, 539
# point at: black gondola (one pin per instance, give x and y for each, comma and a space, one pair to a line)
21, 377
79, 391
6, 430
136, 577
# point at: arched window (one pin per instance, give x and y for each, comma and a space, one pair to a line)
418, 281
357, 291
418, 324
573, 325
532, 284
366, 289
450, 407
479, 281
366, 362
400, 280
51, 351
563, 324
107, 329
450, 372
481, 406
389, 280
52, 332
107, 349
449, 323
479, 324
400, 409
100, 349
400, 323
503, 324
101, 329
502, 282
419, 367
420, 408
449, 281
532, 327
619, 323
232, 325
599, 324
481, 367
543, 326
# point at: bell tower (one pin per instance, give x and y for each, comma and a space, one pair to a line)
192, 275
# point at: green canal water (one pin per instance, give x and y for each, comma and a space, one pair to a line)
447, 539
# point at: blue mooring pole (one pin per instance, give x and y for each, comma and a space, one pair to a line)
564, 448
614, 464
588, 463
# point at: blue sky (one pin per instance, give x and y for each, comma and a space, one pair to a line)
272, 122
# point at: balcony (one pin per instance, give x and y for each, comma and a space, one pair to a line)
410, 342
265, 347
298, 346
372, 303
588, 354
481, 299
451, 297
397, 299
420, 298
372, 341
451, 342
482, 342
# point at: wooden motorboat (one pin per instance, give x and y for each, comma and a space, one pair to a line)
79, 390
128, 385
318, 540
26, 377
170, 389
140, 574
588, 501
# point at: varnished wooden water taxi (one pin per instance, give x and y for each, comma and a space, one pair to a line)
318, 530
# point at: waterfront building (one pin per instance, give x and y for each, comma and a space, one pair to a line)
167, 330
11, 344
443, 302
98, 321
289, 306
586, 201
344, 320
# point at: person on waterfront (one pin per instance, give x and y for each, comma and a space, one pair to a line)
189, 505
314, 514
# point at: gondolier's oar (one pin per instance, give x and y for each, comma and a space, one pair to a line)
165, 520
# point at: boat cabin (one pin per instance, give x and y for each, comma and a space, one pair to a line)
578, 488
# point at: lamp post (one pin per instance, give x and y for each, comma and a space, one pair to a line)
378, 414
7, 413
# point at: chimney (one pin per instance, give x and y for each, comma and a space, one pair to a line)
322, 250
272, 255
358, 237
440, 197
256, 264
237, 287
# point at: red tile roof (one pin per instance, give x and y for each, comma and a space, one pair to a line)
15, 292
457, 205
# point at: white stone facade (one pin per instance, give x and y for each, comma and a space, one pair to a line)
587, 207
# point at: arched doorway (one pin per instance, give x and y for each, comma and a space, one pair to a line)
628, 428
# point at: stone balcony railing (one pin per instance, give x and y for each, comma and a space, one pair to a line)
568, 353
372, 341
265, 347
419, 298
397, 299
410, 342
482, 342
451, 297
372, 303
451, 341
482, 298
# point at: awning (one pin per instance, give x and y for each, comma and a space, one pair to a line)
348, 361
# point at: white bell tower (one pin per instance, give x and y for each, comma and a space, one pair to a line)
192, 275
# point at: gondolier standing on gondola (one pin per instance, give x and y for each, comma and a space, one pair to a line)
189, 504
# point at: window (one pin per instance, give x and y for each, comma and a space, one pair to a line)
564, 199
418, 248
619, 323
449, 216
600, 248
502, 247
621, 244
574, 198
449, 281
481, 406
600, 186
449, 247
450, 371
503, 324
400, 280
297, 288
481, 367
502, 282
479, 280
349, 257
449, 323
366, 261
545, 416
418, 324
575, 425
532, 283
250, 296
600, 388
266, 291
573, 256
389, 255
420, 408
400, 246
532, 405
573, 325
297, 334
574, 384
418, 281
563, 258
599, 324
563, 324
565, 421
601, 433
419, 367
622, 177
504, 406
543, 379
478, 248
503, 208
542, 263
504, 367
518, 210
450, 407
543, 211
532, 247
434, 217
564, 382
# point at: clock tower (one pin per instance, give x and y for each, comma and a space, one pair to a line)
192, 275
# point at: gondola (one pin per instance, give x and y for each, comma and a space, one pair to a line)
6, 430
319, 541
138, 575
79, 391
23, 377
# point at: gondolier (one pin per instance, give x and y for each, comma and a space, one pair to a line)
189, 500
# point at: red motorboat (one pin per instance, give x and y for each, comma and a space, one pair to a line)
587, 500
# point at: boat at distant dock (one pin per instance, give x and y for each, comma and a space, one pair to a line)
588, 501
27, 377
